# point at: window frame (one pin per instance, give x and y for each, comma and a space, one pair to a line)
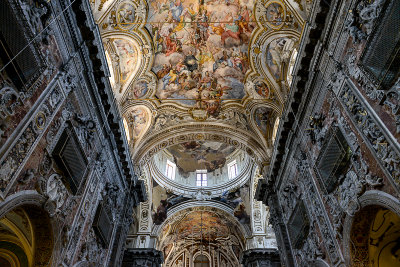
173, 168
234, 165
203, 181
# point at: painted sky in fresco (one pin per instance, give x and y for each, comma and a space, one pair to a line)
201, 49
199, 155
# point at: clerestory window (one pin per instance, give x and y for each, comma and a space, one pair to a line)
201, 177
232, 169
170, 170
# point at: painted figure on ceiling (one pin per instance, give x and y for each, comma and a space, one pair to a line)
206, 46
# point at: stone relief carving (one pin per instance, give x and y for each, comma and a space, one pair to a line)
9, 100
112, 198
37, 13
392, 101
311, 249
317, 129
336, 212
28, 175
288, 199
55, 191
361, 20
85, 130
348, 192
166, 119
14, 161
234, 118
363, 121
91, 251
318, 214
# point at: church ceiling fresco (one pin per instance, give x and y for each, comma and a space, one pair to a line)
200, 223
200, 155
265, 120
201, 54
201, 49
238, 199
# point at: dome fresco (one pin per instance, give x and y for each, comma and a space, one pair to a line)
200, 155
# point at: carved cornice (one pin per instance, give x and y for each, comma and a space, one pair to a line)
300, 91
91, 37
238, 138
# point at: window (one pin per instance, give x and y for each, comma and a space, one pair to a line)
232, 169
298, 225
102, 225
201, 261
170, 170
201, 178
385, 67
70, 158
333, 159
13, 43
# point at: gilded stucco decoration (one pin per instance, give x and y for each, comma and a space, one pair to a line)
192, 61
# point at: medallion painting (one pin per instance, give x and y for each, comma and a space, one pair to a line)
139, 89
201, 49
198, 155
275, 15
125, 15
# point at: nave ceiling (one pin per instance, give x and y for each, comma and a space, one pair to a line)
201, 83
216, 70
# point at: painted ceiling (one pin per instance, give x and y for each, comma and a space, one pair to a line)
200, 155
200, 61
200, 78
205, 224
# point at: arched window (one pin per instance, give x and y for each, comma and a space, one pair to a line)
201, 261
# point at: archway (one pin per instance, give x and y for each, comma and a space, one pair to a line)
201, 236
201, 261
375, 237
26, 237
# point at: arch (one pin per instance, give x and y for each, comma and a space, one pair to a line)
200, 254
189, 190
369, 198
216, 132
27, 229
26, 197
195, 206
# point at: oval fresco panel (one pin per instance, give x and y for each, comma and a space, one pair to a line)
201, 49
262, 88
275, 15
125, 15
139, 89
